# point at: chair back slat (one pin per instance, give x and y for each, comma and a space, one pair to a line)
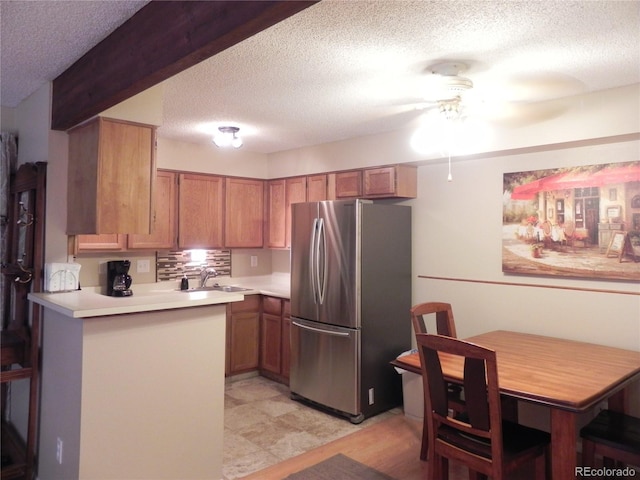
475, 388
445, 323
437, 385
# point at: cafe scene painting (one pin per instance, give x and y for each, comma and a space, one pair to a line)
573, 222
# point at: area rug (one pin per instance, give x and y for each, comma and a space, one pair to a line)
339, 467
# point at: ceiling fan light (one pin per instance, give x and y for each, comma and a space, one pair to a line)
236, 142
227, 137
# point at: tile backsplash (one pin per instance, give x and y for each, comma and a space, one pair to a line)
172, 265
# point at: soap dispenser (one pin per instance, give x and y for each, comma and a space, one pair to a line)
184, 283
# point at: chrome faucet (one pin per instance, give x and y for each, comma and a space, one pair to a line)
205, 274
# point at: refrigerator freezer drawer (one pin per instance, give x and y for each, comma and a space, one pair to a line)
325, 365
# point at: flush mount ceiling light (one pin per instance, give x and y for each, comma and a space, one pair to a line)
227, 137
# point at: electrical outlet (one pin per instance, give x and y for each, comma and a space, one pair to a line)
143, 266
59, 445
254, 260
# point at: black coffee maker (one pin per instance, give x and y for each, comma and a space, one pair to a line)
118, 278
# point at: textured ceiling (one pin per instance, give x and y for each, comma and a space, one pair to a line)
40, 39
341, 69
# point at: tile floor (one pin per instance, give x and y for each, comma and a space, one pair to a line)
263, 426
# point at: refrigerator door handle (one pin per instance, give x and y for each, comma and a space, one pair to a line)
319, 330
321, 253
312, 260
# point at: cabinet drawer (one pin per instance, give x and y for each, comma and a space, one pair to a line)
272, 305
251, 303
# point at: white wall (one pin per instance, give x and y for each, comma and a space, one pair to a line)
457, 226
190, 157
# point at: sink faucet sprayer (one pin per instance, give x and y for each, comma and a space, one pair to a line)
205, 274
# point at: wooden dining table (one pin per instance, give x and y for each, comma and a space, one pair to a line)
567, 376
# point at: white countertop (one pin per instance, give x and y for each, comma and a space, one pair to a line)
90, 302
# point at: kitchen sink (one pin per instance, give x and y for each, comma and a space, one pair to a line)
218, 288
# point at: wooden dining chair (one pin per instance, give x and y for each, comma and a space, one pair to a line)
444, 325
613, 435
485, 443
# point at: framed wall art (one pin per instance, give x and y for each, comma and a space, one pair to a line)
570, 216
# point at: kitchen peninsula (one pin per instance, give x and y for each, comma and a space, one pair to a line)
140, 392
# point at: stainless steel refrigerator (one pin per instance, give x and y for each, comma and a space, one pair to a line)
350, 301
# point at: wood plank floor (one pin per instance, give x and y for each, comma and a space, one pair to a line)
391, 446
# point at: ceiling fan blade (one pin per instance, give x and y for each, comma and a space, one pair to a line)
541, 86
520, 114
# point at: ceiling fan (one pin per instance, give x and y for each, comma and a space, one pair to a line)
446, 88
517, 101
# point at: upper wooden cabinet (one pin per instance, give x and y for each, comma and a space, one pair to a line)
200, 211
244, 213
296, 193
107, 242
348, 184
110, 177
399, 181
163, 226
281, 194
276, 216
317, 188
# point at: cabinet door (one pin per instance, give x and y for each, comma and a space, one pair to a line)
276, 211
164, 217
109, 242
285, 360
270, 348
245, 330
317, 188
379, 181
243, 335
296, 193
395, 181
110, 177
348, 184
200, 211
244, 213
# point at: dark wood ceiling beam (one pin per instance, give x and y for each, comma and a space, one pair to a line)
162, 39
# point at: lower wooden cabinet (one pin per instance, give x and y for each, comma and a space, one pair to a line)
258, 331
286, 339
274, 339
243, 335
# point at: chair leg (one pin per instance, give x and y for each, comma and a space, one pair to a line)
540, 467
444, 468
432, 468
588, 453
424, 449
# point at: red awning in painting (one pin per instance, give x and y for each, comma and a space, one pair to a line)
528, 191
609, 175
